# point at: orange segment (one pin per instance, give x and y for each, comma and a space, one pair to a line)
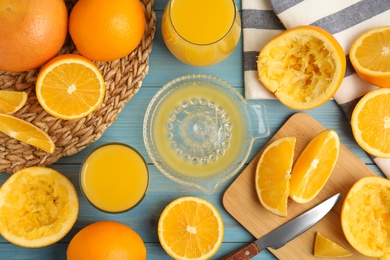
370, 56
273, 175
26, 132
70, 87
190, 228
38, 207
303, 67
365, 216
370, 122
12, 101
325, 247
314, 166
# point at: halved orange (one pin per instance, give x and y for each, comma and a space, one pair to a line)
314, 166
190, 228
304, 66
38, 207
273, 175
26, 132
370, 122
365, 216
70, 87
370, 56
11, 101
325, 247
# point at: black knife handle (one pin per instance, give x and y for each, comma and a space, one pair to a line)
245, 252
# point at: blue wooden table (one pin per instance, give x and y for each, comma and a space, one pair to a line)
128, 129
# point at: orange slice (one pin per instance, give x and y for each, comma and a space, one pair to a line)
365, 216
273, 175
303, 67
325, 247
370, 122
12, 101
370, 56
70, 87
26, 132
190, 228
38, 207
314, 166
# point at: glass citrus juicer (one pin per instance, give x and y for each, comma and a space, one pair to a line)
198, 130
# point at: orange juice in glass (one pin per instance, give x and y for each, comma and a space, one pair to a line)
201, 32
114, 178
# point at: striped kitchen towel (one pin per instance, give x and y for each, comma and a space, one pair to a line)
345, 19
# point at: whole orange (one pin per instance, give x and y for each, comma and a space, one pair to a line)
107, 240
107, 30
31, 32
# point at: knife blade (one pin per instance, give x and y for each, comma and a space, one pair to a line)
287, 232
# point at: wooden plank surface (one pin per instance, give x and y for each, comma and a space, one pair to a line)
241, 200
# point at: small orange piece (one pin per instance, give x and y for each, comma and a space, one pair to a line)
370, 56
325, 247
106, 240
26, 132
190, 228
107, 30
303, 67
370, 122
38, 207
70, 87
273, 175
365, 216
12, 101
314, 166
31, 32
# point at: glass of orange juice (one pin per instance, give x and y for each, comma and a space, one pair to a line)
114, 177
201, 32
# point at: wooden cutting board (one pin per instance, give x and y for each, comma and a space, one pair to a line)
241, 200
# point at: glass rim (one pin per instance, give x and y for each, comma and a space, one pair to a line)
81, 174
202, 44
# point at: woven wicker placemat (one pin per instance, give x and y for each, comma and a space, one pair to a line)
123, 79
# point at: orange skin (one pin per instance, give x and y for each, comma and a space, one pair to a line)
31, 32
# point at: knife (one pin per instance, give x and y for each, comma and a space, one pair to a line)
283, 234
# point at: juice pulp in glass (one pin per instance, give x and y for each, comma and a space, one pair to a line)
201, 32
114, 178
184, 155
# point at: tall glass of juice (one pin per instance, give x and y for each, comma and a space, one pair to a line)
114, 178
201, 32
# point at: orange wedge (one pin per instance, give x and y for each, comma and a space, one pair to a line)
370, 122
70, 87
325, 247
190, 228
365, 216
12, 101
314, 166
26, 132
303, 67
370, 56
273, 175
38, 207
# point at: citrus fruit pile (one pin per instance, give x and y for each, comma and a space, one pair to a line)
38, 207
106, 240
278, 177
370, 57
304, 66
190, 228
365, 216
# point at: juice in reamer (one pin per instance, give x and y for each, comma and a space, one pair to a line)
198, 130
201, 32
114, 177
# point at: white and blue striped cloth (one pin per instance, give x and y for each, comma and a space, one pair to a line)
346, 19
